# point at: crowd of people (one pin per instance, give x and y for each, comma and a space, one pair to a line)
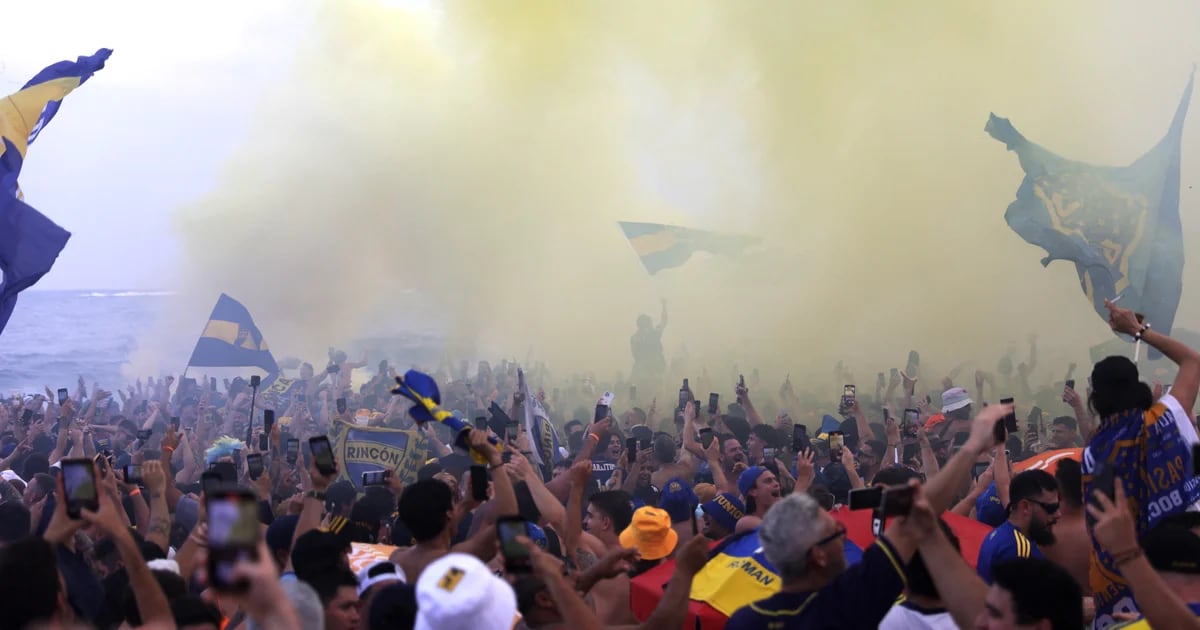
171, 503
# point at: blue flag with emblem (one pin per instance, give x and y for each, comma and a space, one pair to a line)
230, 339
1118, 224
369, 449
665, 246
30, 242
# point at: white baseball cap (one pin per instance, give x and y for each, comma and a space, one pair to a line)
378, 573
459, 591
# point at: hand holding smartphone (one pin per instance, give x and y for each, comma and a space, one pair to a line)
322, 452
517, 558
79, 486
233, 533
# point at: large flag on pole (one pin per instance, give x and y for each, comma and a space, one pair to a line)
665, 246
30, 242
1118, 224
231, 339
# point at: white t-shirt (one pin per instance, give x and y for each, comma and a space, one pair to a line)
907, 616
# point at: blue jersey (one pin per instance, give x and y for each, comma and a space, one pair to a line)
1004, 543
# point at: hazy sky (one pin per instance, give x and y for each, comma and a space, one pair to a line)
148, 133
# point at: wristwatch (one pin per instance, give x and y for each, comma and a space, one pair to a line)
315, 494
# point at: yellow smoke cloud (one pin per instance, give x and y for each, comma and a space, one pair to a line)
482, 154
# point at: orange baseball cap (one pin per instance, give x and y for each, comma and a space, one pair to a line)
650, 533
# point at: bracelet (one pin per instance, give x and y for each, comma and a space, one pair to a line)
169, 449
135, 492
891, 445
496, 466
1125, 557
1138, 335
594, 437
315, 494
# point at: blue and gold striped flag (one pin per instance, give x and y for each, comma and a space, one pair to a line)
665, 246
232, 340
25, 113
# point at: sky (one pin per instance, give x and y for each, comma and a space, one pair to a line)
151, 131
479, 154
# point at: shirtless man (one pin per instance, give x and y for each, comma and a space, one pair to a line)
608, 514
760, 489
428, 511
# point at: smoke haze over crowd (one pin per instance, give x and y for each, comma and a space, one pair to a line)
480, 155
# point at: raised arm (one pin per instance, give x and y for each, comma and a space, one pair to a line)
1187, 381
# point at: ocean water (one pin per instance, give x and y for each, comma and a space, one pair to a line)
54, 337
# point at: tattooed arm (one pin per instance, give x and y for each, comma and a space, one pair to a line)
155, 480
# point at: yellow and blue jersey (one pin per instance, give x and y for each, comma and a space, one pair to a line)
1004, 543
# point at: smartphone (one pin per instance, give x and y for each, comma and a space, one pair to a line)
210, 482
143, 435
62, 395
301, 397
866, 498
175, 423
914, 364
1070, 383
212, 383
897, 501
644, 445
268, 421
293, 450
1006, 425
601, 412
79, 484
768, 453
333, 369
255, 381
225, 471
631, 447
685, 394
133, 474
978, 469
26, 417
911, 424
512, 429
481, 423
516, 556
714, 403
479, 483
341, 405
800, 441
632, 393
233, 533
1196, 460
376, 478
848, 393
104, 444
837, 441
741, 380
254, 465
322, 452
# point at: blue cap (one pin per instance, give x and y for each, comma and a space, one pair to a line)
678, 500
748, 478
726, 509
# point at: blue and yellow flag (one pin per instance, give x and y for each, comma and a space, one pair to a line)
1118, 224
665, 246
232, 340
29, 245
737, 574
24, 114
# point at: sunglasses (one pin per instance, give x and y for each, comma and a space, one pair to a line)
1050, 508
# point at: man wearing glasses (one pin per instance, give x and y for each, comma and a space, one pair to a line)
805, 544
1032, 513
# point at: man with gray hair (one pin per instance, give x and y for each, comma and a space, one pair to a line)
804, 542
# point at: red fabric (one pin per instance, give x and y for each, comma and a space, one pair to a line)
647, 589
